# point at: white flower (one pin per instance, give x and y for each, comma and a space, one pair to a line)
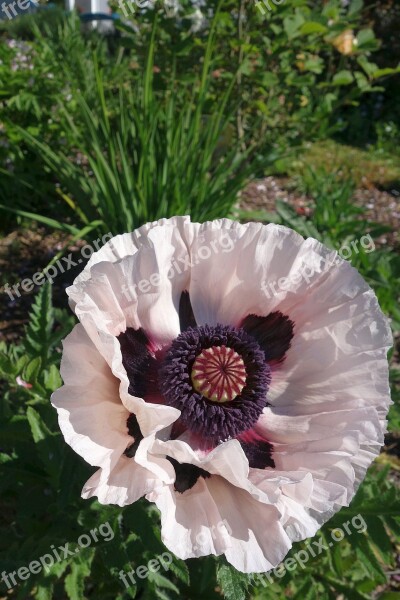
186, 383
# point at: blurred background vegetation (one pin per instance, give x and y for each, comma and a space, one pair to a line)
212, 110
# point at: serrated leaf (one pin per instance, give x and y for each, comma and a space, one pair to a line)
233, 583
161, 581
75, 581
114, 554
44, 592
180, 569
37, 342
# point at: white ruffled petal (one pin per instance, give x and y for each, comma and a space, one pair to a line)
141, 290
127, 482
215, 517
91, 416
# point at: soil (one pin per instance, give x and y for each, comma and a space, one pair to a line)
23, 253
381, 205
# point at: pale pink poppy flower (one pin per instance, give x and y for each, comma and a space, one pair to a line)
235, 375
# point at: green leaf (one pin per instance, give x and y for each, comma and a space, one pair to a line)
379, 536
343, 78
180, 569
313, 27
75, 581
41, 219
366, 37
292, 24
46, 444
307, 590
355, 7
269, 79
393, 525
350, 593
337, 561
32, 370
114, 555
6, 365
52, 378
44, 592
314, 64
367, 557
233, 583
39, 430
384, 72
41, 321
369, 67
161, 581
362, 81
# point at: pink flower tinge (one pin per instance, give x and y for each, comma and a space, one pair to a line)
248, 417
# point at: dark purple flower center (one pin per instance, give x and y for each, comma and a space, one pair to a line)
218, 378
